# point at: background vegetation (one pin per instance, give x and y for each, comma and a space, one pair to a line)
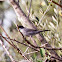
45, 15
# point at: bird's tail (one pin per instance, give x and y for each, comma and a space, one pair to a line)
42, 31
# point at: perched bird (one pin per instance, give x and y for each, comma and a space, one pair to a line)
29, 32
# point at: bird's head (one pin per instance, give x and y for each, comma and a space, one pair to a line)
20, 27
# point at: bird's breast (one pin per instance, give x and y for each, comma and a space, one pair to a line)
23, 32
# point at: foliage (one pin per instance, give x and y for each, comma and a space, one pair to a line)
44, 15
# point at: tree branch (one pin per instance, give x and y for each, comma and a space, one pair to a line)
27, 23
1, 42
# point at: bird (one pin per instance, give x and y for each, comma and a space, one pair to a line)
29, 32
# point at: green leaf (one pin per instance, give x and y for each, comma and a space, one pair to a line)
42, 52
39, 61
34, 55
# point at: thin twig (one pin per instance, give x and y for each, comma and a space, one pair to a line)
20, 43
30, 52
26, 50
5, 33
56, 3
57, 58
44, 14
29, 8
19, 51
48, 48
19, 12
1, 42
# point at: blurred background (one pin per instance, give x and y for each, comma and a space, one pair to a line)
47, 12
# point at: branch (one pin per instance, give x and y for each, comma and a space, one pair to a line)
1, 42
19, 51
29, 8
27, 23
48, 48
19, 42
56, 3
44, 14
57, 58
21, 15
5, 33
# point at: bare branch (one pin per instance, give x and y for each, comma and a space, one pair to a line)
29, 8
48, 48
56, 3
27, 23
19, 51
56, 58
1, 42
5, 33
19, 42
44, 14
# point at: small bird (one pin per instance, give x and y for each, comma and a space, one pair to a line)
29, 32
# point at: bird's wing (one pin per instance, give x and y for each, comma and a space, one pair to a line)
29, 30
